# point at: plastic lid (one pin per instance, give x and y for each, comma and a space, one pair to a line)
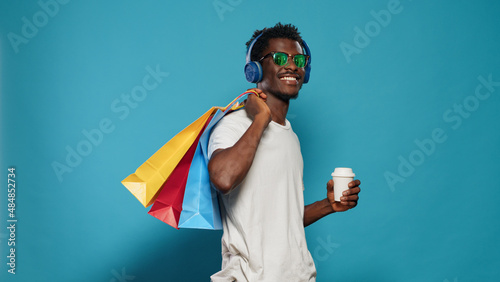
343, 172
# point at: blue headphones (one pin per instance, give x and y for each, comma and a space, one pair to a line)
253, 69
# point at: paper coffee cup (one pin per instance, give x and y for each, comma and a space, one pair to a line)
341, 178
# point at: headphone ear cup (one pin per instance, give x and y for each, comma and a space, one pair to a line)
253, 72
308, 73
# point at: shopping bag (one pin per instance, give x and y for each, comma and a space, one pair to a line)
200, 208
147, 180
168, 205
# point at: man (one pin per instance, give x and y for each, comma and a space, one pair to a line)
256, 165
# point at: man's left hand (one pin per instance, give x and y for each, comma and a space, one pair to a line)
349, 197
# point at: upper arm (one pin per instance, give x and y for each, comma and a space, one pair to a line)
224, 135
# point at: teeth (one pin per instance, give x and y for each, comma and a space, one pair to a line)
288, 78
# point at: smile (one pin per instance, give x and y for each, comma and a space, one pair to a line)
288, 78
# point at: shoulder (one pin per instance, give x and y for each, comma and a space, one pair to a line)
237, 116
237, 120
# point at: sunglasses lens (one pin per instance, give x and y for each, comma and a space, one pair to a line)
299, 60
280, 58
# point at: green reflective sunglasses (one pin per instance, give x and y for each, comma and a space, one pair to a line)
281, 59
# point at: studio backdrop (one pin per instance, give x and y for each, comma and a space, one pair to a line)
407, 93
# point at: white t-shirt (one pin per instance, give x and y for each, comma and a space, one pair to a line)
262, 218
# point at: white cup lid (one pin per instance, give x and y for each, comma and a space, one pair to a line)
343, 172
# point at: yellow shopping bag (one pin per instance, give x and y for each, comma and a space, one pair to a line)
147, 180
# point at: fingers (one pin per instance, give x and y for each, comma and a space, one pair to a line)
354, 183
252, 97
349, 201
349, 198
255, 98
256, 90
260, 93
351, 191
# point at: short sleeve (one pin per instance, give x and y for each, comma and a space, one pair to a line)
227, 132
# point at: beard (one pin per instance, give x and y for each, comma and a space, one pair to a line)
285, 97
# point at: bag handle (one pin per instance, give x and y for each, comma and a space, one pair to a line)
236, 103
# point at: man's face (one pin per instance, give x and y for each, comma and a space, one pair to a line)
285, 81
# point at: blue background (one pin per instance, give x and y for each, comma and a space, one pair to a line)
365, 110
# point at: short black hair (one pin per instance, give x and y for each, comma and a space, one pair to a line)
280, 30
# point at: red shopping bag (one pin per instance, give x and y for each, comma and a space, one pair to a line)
168, 205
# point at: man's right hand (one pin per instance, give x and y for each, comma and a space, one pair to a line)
257, 108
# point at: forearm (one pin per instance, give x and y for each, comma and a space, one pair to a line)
316, 210
228, 167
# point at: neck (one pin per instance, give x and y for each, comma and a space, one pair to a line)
278, 107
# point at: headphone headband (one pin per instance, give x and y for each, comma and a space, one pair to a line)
249, 51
